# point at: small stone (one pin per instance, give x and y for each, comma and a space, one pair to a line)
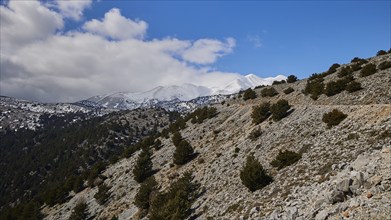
369, 195
375, 180
291, 212
345, 214
344, 185
322, 215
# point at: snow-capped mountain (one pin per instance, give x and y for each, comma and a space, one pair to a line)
178, 96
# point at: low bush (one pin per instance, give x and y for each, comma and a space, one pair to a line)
103, 194
335, 87
353, 86
260, 113
345, 71
333, 68
269, 92
253, 175
249, 94
314, 88
79, 212
381, 52
291, 79
255, 134
333, 118
384, 65
285, 158
359, 60
280, 109
368, 70
278, 82
288, 90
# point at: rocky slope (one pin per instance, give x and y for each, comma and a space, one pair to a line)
344, 172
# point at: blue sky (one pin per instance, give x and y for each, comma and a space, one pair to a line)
67, 50
299, 37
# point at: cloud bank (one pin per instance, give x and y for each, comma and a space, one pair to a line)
41, 61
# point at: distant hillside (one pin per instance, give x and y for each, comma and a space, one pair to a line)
317, 148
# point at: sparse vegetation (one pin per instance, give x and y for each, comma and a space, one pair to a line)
291, 79
201, 114
269, 92
335, 87
285, 158
333, 118
359, 60
249, 94
288, 90
253, 175
280, 109
333, 68
261, 112
368, 70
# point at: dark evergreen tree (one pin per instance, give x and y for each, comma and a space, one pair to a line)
79, 212
143, 168
253, 175
103, 194
143, 197
176, 202
183, 153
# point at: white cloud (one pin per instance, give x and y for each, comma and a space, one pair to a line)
255, 40
23, 22
206, 51
73, 8
116, 26
54, 67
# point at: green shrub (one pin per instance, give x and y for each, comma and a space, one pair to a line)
280, 109
356, 67
255, 134
79, 212
291, 79
368, 70
359, 60
142, 199
335, 87
333, 68
103, 194
384, 65
353, 86
314, 88
183, 153
316, 76
261, 112
269, 92
249, 94
143, 168
177, 201
333, 118
381, 52
253, 175
278, 82
345, 71
288, 90
285, 158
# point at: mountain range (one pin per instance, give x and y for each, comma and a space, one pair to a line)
177, 93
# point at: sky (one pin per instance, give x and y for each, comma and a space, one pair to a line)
65, 51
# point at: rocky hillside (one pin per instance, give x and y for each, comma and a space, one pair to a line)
344, 171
